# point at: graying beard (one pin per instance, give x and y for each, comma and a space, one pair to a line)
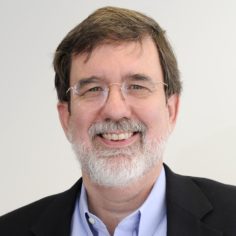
150, 155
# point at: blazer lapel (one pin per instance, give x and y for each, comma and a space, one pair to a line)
56, 219
186, 207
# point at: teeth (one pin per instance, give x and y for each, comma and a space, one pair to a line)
115, 137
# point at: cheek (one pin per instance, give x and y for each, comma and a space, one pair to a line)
156, 120
80, 122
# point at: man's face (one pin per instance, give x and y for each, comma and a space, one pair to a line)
110, 128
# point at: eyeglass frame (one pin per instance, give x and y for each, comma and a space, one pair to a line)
107, 88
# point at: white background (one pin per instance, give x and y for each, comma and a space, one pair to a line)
35, 158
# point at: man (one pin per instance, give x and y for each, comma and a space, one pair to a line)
118, 88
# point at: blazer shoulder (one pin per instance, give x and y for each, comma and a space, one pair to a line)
217, 191
22, 218
223, 199
211, 203
28, 212
214, 191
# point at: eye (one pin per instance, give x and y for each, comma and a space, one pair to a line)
136, 87
139, 90
95, 89
90, 91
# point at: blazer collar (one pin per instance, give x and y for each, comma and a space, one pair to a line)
186, 207
56, 219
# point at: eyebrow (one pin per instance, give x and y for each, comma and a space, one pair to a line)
82, 82
139, 77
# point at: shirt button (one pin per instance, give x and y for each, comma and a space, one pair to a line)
91, 220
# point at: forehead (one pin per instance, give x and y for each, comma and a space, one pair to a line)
113, 62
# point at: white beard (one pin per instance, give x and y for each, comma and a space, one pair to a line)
117, 167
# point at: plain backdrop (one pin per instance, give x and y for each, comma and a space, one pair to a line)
35, 158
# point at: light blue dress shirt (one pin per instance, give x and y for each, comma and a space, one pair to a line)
150, 219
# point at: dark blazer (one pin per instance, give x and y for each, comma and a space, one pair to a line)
195, 207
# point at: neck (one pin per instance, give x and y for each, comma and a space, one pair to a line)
112, 204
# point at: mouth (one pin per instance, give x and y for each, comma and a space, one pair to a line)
117, 136
118, 139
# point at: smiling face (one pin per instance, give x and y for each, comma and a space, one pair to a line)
121, 130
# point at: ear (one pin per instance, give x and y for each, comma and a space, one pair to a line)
173, 108
64, 115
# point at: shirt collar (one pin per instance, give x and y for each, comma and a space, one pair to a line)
153, 210
148, 217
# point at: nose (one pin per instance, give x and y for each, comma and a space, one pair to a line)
115, 106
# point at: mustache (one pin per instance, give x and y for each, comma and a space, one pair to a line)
121, 125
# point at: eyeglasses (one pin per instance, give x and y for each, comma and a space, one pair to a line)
95, 92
